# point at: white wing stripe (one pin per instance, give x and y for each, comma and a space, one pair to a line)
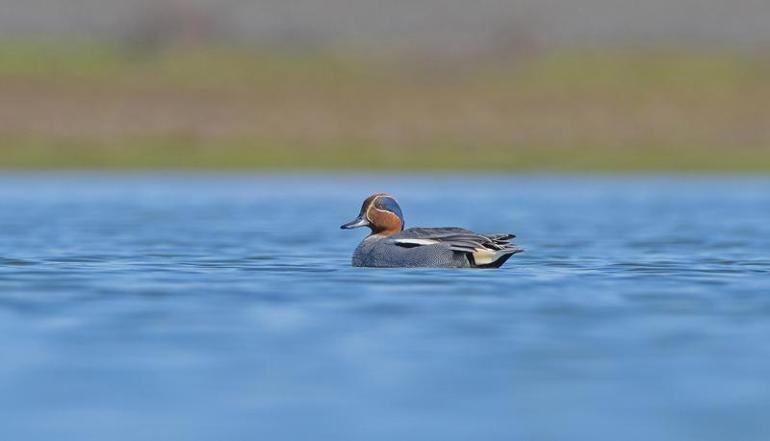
416, 241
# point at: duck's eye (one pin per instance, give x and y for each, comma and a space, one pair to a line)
389, 204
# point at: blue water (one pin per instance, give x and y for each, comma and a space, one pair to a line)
219, 307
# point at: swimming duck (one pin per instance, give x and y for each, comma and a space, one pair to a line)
390, 245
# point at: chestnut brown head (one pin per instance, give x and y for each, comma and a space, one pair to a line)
381, 213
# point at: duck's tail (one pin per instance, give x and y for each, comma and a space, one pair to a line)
487, 258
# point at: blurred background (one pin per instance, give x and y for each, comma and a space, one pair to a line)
197, 305
523, 85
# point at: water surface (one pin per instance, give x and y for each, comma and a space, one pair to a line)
224, 307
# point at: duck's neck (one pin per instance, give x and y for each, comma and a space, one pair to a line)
377, 235
385, 232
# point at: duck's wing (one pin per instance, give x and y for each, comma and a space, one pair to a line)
483, 249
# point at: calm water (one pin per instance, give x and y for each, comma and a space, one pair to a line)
224, 307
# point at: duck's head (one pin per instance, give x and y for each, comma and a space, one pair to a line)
381, 213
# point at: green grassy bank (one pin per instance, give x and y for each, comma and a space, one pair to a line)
237, 109
248, 155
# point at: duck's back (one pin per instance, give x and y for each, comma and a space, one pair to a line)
387, 253
447, 247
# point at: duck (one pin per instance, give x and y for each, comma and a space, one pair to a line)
389, 245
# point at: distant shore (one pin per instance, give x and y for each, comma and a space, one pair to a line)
181, 155
237, 109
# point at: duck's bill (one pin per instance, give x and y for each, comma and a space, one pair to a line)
355, 223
